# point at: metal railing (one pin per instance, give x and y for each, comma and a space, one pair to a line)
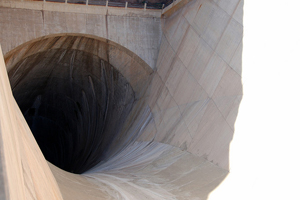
144, 5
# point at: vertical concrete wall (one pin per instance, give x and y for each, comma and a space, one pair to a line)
196, 91
266, 141
140, 33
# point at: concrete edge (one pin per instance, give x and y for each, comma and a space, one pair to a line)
80, 8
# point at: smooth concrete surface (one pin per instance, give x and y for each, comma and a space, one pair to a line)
266, 139
187, 136
26, 172
197, 86
144, 171
154, 152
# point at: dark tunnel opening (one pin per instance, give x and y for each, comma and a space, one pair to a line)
75, 104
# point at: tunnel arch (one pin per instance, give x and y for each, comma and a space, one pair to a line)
124, 60
189, 106
74, 99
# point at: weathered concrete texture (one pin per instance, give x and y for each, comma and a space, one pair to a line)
174, 143
140, 34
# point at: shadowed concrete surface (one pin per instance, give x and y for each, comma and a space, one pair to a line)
99, 107
129, 105
74, 112
73, 91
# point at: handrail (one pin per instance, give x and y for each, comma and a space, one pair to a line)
144, 5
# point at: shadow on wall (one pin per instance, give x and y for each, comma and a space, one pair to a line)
74, 100
184, 112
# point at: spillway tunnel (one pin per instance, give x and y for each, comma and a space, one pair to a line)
140, 106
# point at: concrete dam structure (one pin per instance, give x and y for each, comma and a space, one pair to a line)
101, 102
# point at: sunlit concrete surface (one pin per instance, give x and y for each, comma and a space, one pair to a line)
207, 111
266, 140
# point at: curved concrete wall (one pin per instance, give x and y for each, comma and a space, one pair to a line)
197, 88
183, 148
24, 169
136, 71
92, 110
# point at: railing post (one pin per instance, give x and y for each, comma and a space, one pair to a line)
66, 1
126, 5
145, 5
87, 2
106, 3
